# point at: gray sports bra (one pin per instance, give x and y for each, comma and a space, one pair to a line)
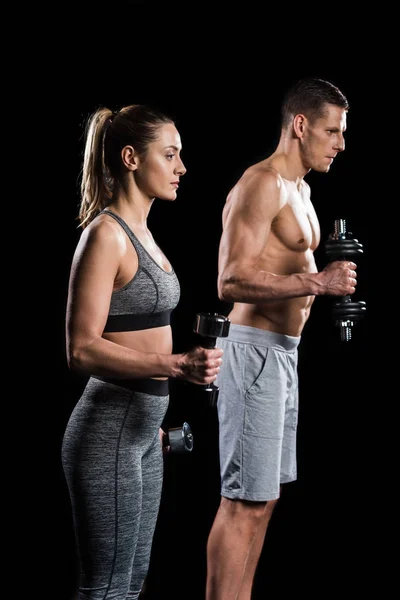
147, 300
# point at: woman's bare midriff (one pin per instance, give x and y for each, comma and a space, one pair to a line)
158, 339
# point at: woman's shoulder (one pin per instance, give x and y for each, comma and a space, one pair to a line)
103, 233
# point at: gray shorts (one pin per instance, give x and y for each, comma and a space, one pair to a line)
257, 412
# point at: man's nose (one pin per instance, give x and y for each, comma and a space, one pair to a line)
340, 145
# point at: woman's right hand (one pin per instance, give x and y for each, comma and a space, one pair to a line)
201, 365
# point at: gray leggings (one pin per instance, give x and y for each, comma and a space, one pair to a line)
113, 464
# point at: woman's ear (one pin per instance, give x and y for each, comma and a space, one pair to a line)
129, 158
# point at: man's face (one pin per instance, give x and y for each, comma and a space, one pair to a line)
324, 139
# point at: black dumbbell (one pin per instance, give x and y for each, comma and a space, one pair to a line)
179, 439
210, 326
342, 246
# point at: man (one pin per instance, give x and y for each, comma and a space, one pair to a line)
267, 270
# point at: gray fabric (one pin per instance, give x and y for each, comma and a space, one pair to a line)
151, 290
257, 413
113, 464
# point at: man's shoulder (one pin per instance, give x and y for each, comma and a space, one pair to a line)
263, 167
257, 181
259, 174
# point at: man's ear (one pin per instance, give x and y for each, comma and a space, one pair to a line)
299, 125
129, 158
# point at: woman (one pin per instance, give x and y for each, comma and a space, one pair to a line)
121, 294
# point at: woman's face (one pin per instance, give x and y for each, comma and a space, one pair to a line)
159, 171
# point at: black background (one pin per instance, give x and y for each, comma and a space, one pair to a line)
222, 81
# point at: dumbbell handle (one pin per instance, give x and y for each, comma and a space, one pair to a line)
208, 342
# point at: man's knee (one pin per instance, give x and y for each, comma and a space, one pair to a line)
245, 509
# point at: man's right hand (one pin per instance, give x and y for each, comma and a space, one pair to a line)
339, 278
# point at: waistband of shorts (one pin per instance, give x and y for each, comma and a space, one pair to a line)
262, 337
154, 387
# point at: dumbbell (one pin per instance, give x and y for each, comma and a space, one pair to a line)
210, 326
342, 246
179, 439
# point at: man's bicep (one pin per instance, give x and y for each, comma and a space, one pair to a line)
242, 243
254, 205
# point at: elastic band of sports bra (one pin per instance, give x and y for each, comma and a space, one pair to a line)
154, 387
137, 322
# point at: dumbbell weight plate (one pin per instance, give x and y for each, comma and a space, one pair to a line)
211, 325
180, 439
343, 249
349, 310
